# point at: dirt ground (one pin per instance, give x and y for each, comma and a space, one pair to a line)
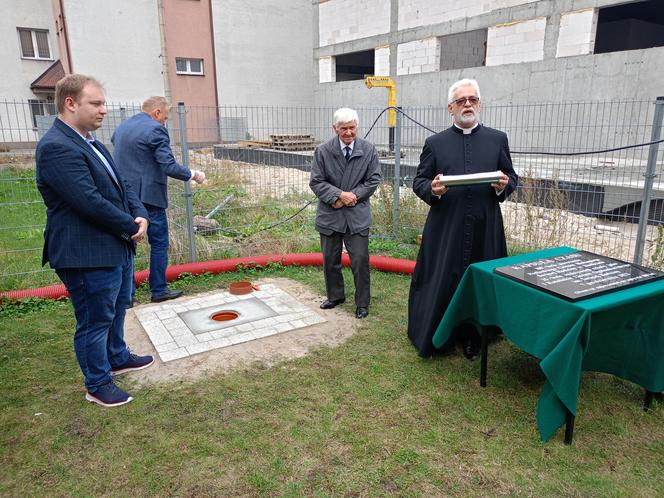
340, 325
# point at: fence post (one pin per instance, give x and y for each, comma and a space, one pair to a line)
649, 179
397, 177
187, 186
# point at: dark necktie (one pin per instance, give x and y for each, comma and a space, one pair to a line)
347, 153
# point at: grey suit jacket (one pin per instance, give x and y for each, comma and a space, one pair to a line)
144, 157
331, 174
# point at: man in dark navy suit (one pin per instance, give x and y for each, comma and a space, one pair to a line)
93, 220
143, 154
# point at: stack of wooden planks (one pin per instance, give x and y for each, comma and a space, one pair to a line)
293, 142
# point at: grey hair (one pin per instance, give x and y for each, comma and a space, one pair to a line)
155, 102
345, 115
460, 84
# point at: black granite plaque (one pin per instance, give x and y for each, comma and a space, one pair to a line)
579, 275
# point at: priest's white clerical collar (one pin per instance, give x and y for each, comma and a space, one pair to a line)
467, 131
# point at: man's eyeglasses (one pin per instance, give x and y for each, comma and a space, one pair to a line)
462, 101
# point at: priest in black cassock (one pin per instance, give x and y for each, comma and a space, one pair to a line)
464, 224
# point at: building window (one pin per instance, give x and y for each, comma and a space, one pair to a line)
630, 26
463, 50
40, 108
34, 43
355, 66
188, 66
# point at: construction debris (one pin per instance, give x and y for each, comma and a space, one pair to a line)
288, 142
293, 142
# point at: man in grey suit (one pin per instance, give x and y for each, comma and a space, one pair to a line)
344, 175
144, 157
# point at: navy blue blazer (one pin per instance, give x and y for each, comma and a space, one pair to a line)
89, 217
143, 154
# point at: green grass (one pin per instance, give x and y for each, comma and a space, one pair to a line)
367, 418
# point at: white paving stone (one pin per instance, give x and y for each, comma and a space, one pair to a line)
173, 339
173, 354
179, 331
163, 314
205, 337
169, 346
283, 327
186, 340
159, 338
220, 343
201, 347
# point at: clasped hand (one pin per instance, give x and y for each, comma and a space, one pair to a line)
348, 199
142, 229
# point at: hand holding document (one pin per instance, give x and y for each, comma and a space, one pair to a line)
470, 179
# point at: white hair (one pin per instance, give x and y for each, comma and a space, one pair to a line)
460, 84
345, 115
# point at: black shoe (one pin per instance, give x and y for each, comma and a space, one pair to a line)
471, 350
134, 362
108, 395
166, 296
328, 304
361, 312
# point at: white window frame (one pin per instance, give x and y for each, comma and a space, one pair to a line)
188, 62
33, 35
44, 107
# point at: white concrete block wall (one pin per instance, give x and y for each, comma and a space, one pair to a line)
419, 56
345, 20
577, 33
516, 42
382, 61
327, 70
415, 13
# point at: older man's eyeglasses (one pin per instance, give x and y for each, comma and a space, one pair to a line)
462, 101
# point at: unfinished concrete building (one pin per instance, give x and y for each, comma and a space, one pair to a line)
518, 50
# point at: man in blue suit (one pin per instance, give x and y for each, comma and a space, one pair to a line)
93, 220
142, 152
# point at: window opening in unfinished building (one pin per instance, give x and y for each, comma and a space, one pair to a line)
355, 66
630, 27
463, 50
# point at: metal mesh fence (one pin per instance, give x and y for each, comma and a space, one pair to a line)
257, 198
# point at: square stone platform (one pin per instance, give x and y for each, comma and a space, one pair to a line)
182, 328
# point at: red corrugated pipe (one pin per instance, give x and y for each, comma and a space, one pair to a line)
382, 263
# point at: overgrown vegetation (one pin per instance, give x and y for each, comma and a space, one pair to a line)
257, 215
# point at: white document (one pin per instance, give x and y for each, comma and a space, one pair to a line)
471, 179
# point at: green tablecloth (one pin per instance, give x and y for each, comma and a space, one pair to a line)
621, 333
